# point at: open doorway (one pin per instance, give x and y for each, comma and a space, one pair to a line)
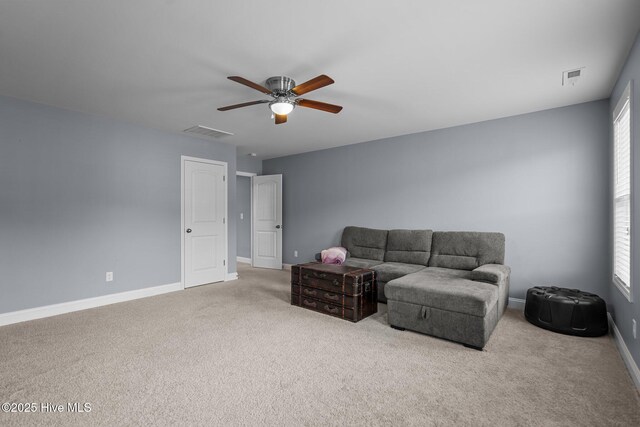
244, 231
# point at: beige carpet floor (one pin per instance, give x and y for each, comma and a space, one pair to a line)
237, 353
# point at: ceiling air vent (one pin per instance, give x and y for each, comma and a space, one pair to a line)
571, 77
208, 132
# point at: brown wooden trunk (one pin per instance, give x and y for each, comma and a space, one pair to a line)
346, 292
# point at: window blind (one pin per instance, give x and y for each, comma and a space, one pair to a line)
622, 191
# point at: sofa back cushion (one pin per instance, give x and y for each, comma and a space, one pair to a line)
409, 246
466, 250
364, 242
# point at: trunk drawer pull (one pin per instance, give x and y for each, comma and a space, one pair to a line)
333, 297
331, 309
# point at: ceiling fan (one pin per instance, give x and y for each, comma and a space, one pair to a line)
285, 94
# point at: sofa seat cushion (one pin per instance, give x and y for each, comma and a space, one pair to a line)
361, 262
434, 289
392, 270
439, 273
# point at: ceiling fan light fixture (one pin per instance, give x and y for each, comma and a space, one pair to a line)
281, 106
284, 95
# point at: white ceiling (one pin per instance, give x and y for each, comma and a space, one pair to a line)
400, 67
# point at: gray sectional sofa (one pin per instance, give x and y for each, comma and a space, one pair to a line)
452, 285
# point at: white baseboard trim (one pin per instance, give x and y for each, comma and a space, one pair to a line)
84, 304
624, 352
243, 260
231, 276
516, 303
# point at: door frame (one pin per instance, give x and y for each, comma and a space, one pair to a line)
184, 159
249, 175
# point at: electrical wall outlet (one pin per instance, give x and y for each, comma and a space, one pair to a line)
241, 215
295, 254
109, 277
633, 322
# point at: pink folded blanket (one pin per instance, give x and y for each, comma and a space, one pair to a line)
335, 255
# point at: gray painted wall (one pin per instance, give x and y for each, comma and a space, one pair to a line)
622, 310
246, 163
540, 178
81, 195
243, 203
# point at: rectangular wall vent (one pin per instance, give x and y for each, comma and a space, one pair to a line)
207, 131
571, 77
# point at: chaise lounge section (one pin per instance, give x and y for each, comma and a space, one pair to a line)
452, 285
460, 296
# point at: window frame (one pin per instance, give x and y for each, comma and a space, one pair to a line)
626, 96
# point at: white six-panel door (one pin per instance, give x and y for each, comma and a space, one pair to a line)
204, 231
267, 221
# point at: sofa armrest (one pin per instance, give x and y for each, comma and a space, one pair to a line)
491, 273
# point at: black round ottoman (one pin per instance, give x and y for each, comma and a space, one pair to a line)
568, 311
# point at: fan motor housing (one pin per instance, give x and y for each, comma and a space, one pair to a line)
280, 84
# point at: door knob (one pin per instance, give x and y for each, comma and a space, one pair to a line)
188, 230
277, 226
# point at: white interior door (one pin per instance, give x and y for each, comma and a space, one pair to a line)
204, 231
267, 221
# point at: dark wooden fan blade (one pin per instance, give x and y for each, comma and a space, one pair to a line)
244, 104
281, 118
313, 84
251, 84
329, 108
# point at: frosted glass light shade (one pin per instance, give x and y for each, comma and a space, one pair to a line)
282, 108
